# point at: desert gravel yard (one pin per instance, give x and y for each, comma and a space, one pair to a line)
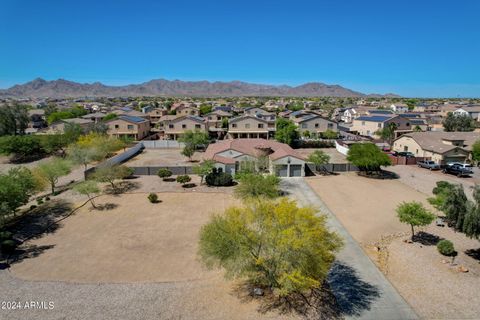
163, 157
433, 287
135, 261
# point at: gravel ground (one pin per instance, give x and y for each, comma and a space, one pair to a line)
424, 180
335, 156
163, 157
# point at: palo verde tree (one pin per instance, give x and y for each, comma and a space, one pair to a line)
109, 173
52, 170
318, 158
414, 214
271, 244
256, 185
367, 157
387, 134
88, 188
192, 140
203, 169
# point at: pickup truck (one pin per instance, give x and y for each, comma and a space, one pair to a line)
428, 164
458, 170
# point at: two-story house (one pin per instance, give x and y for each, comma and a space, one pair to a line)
176, 127
129, 126
369, 125
250, 126
314, 124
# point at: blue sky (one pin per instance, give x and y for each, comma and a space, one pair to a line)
413, 48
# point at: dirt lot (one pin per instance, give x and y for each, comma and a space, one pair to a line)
366, 207
163, 157
135, 242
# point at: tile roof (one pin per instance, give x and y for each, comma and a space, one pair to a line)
433, 140
252, 147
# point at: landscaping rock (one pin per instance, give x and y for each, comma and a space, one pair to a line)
462, 269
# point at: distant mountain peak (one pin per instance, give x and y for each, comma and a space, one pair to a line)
62, 88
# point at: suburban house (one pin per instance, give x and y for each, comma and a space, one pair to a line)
177, 126
37, 118
369, 125
59, 126
259, 113
129, 126
214, 119
399, 107
314, 124
277, 158
187, 110
95, 117
249, 126
472, 111
441, 147
156, 114
348, 115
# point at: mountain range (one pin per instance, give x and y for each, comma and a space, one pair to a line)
40, 88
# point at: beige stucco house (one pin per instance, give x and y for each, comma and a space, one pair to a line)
369, 125
314, 124
176, 127
274, 157
129, 126
441, 147
248, 126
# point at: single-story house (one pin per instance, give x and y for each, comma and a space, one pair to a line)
441, 147
233, 154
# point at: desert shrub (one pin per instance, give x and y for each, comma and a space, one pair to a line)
164, 173
39, 201
8, 246
33, 207
47, 198
445, 247
153, 198
183, 179
219, 179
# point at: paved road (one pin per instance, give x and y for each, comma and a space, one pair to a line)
361, 289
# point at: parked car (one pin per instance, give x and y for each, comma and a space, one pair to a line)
458, 170
404, 154
463, 165
428, 164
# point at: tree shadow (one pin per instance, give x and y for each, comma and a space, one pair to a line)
122, 187
320, 304
352, 294
27, 251
473, 253
189, 185
381, 175
427, 239
104, 207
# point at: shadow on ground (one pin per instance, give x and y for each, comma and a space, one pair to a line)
122, 187
35, 224
474, 253
427, 239
353, 295
320, 304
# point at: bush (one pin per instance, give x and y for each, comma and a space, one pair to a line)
8, 246
313, 144
153, 198
47, 198
164, 173
33, 207
445, 247
219, 179
39, 201
5, 235
183, 179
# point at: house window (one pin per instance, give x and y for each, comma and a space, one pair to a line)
260, 125
171, 126
184, 126
379, 125
130, 127
197, 126
117, 126
304, 125
330, 126
234, 125
316, 125
247, 125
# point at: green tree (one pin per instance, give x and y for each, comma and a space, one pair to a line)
458, 123
55, 143
256, 185
476, 152
188, 151
16, 188
193, 139
22, 148
184, 179
414, 214
52, 170
13, 119
286, 131
442, 189
110, 173
110, 116
84, 155
471, 223
306, 134
367, 157
455, 206
273, 244
330, 134
88, 188
387, 134
204, 169
205, 108
164, 173
318, 158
